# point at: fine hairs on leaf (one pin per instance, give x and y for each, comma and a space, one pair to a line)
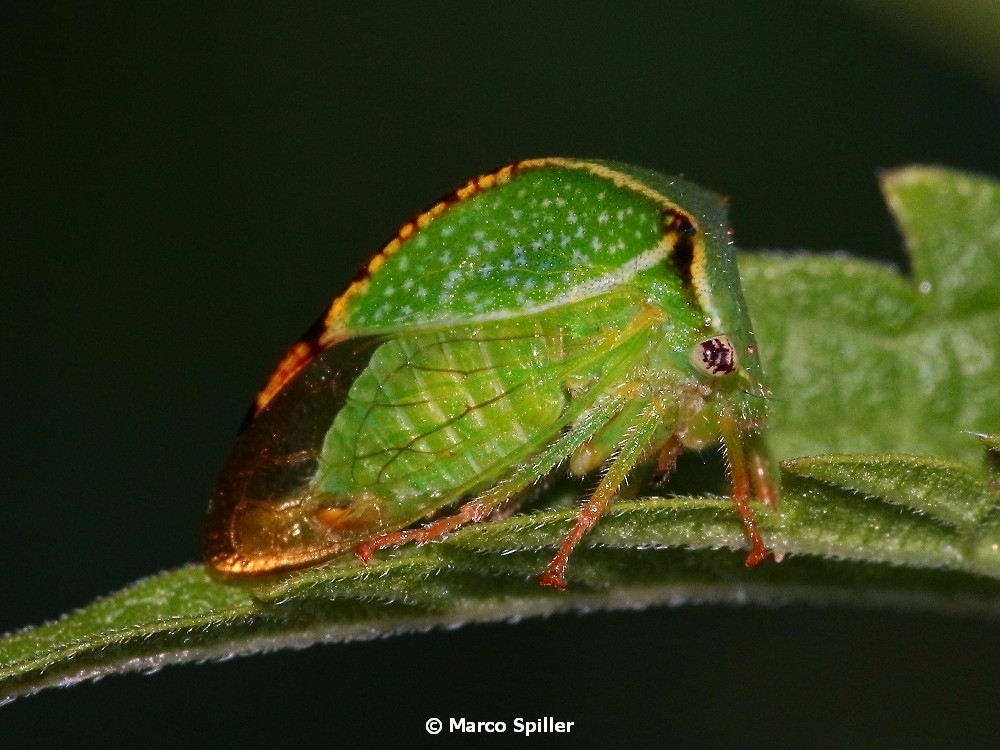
884, 413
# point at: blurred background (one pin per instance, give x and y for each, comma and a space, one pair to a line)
183, 190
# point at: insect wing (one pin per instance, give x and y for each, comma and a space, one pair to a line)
375, 434
255, 521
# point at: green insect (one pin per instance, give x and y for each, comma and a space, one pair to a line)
557, 311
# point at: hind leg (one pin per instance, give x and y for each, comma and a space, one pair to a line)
492, 500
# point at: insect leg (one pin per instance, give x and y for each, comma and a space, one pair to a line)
472, 512
479, 508
632, 450
740, 475
763, 477
666, 459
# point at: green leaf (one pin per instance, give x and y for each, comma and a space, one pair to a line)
645, 552
955, 264
882, 385
948, 491
863, 360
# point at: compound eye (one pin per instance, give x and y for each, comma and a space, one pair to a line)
715, 356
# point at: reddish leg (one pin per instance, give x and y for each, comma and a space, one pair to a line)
472, 512
740, 478
666, 461
630, 453
555, 574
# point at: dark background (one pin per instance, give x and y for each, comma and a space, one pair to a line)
183, 191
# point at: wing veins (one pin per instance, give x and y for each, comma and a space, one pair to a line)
401, 450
